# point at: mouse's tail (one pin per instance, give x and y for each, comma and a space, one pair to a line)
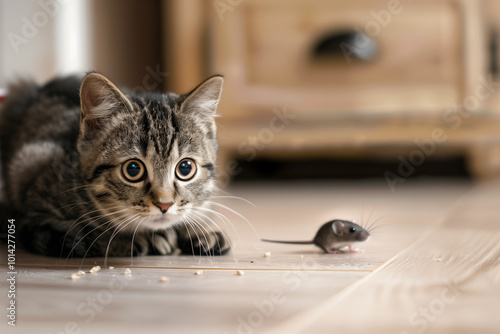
288, 242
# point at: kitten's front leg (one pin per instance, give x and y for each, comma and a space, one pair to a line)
196, 241
48, 235
146, 243
140, 244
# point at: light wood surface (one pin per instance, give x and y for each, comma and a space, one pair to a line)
448, 280
436, 245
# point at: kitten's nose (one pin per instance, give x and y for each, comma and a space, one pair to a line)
163, 206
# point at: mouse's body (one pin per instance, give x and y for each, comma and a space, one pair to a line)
333, 236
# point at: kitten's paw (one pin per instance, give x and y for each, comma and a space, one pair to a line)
161, 245
144, 244
205, 244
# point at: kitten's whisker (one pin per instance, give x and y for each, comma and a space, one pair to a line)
220, 215
92, 220
129, 218
100, 235
132, 243
236, 197
202, 225
192, 222
206, 236
94, 211
95, 228
103, 225
116, 231
76, 245
188, 219
201, 215
75, 223
194, 215
202, 230
189, 234
213, 222
72, 206
238, 214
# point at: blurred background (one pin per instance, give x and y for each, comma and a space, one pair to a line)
382, 89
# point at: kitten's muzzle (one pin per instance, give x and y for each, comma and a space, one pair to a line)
163, 206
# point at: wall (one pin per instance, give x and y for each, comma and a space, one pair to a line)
44, 38
24, 50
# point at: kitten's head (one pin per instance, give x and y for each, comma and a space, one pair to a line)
148, 159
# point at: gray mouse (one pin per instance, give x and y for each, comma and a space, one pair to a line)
334, 235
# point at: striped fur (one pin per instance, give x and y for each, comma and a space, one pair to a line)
63, 146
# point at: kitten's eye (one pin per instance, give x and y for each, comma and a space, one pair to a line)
133, 170
186, 169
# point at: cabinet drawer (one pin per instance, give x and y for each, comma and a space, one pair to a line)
270, 50
419, 44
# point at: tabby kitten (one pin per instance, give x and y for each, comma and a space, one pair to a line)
106, 172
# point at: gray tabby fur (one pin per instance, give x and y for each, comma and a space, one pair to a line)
61, 157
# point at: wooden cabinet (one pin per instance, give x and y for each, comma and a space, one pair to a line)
269, 51
358, 77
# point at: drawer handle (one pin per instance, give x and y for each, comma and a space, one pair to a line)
345, 45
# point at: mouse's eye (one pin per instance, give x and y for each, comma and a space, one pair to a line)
133, 170
352, 230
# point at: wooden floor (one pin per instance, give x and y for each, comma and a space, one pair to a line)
432, 265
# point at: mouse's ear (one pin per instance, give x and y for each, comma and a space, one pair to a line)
338, 227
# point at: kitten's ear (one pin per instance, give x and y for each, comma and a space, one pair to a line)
99, 98
204, 98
